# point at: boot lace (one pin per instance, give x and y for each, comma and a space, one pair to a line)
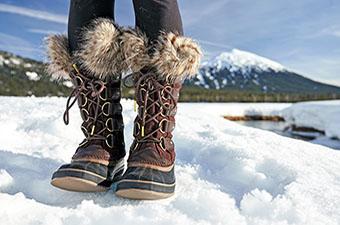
89, 91
156, 103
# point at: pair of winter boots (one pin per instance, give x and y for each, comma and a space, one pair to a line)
157, 71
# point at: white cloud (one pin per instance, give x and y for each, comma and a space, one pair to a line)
333, 30
42, 31
336, 33
214, 44
37, 14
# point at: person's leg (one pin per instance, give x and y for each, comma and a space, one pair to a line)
82, 13
150, 173
90, 58
156, 16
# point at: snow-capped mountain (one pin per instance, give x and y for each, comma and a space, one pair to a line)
241, 70
237, 60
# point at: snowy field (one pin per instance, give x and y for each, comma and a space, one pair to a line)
226, 173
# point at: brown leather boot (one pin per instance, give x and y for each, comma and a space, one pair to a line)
150, 173
99, 159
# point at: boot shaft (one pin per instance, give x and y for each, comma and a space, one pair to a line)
95, 70
101, 111
155, 120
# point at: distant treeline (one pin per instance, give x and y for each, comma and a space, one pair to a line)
190, 94
16, 86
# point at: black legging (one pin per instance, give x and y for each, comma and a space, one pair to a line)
152, 17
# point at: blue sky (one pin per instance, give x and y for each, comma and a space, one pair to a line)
303, 35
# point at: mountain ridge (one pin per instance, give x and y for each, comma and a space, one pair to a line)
241, 70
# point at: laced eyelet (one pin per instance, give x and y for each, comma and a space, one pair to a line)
161, 125
163, 94
166, 108
143, 91
162, 143
79, 81
85, 115
107, 124
83, 99
109, 144
150, 86
105, 93
106, 113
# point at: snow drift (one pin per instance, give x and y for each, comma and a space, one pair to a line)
226, 173
321, 115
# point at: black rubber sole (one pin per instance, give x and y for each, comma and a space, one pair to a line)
84, 176
146, 184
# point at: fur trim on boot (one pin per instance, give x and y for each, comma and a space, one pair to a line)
100, 50
99, 55
176, 57
172, 56
134, 49
107, 51
59, 58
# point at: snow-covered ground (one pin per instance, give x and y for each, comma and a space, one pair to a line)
226, 173
320, 115
242, 109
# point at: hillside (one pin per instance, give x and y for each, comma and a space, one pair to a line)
25, 77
